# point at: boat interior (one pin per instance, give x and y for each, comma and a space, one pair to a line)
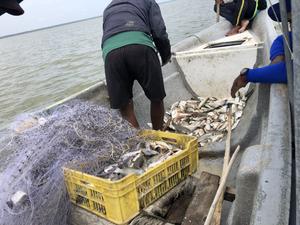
205, 65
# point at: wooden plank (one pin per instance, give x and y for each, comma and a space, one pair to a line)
218, 211
218, 13
221, 188
203, 197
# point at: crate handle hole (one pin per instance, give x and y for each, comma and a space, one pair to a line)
84, 182
169, 139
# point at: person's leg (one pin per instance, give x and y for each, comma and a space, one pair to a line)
127, 112
227, 11
157, 114
248, 16
147, 71
119, 85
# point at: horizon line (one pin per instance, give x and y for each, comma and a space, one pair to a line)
49, 27
62, 24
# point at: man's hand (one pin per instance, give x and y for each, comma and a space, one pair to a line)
244, 25
219, 1
233, 31
167, 60
238, 83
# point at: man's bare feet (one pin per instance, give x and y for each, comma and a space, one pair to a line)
233, 31
244, 25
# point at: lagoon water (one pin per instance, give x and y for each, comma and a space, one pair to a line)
45, 66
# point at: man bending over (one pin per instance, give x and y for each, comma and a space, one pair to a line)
132, 32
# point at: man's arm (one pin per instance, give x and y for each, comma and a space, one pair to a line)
159, 33
273, 73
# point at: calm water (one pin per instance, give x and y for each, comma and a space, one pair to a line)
42, 67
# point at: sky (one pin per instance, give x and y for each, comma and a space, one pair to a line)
45, 13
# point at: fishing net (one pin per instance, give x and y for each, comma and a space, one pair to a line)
32, 190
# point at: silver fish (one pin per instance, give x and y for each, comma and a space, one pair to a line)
138, 161
127, 171
206, 116
149, 152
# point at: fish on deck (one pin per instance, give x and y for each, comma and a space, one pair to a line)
205, 118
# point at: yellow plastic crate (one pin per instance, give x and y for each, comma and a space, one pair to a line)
120, 201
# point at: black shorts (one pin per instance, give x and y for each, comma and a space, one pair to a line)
227, 10
125, 65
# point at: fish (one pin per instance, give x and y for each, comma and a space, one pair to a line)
138, 161
215, 125
238, 115
127, 171
217, 137
204, 137
178, 115
142, 155
182, 105
163, 144
110, 168
222, 117
207, 127
194, 126
159, 160
179, 128
126, 159
148, 152
129, 155
205, 116
199, 132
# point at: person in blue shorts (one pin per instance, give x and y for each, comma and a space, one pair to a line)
276, 71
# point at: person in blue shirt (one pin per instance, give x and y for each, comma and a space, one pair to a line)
11, 7
276, 71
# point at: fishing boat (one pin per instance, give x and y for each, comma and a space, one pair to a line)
205, 64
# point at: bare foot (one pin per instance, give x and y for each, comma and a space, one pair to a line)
244, 25
234, 31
